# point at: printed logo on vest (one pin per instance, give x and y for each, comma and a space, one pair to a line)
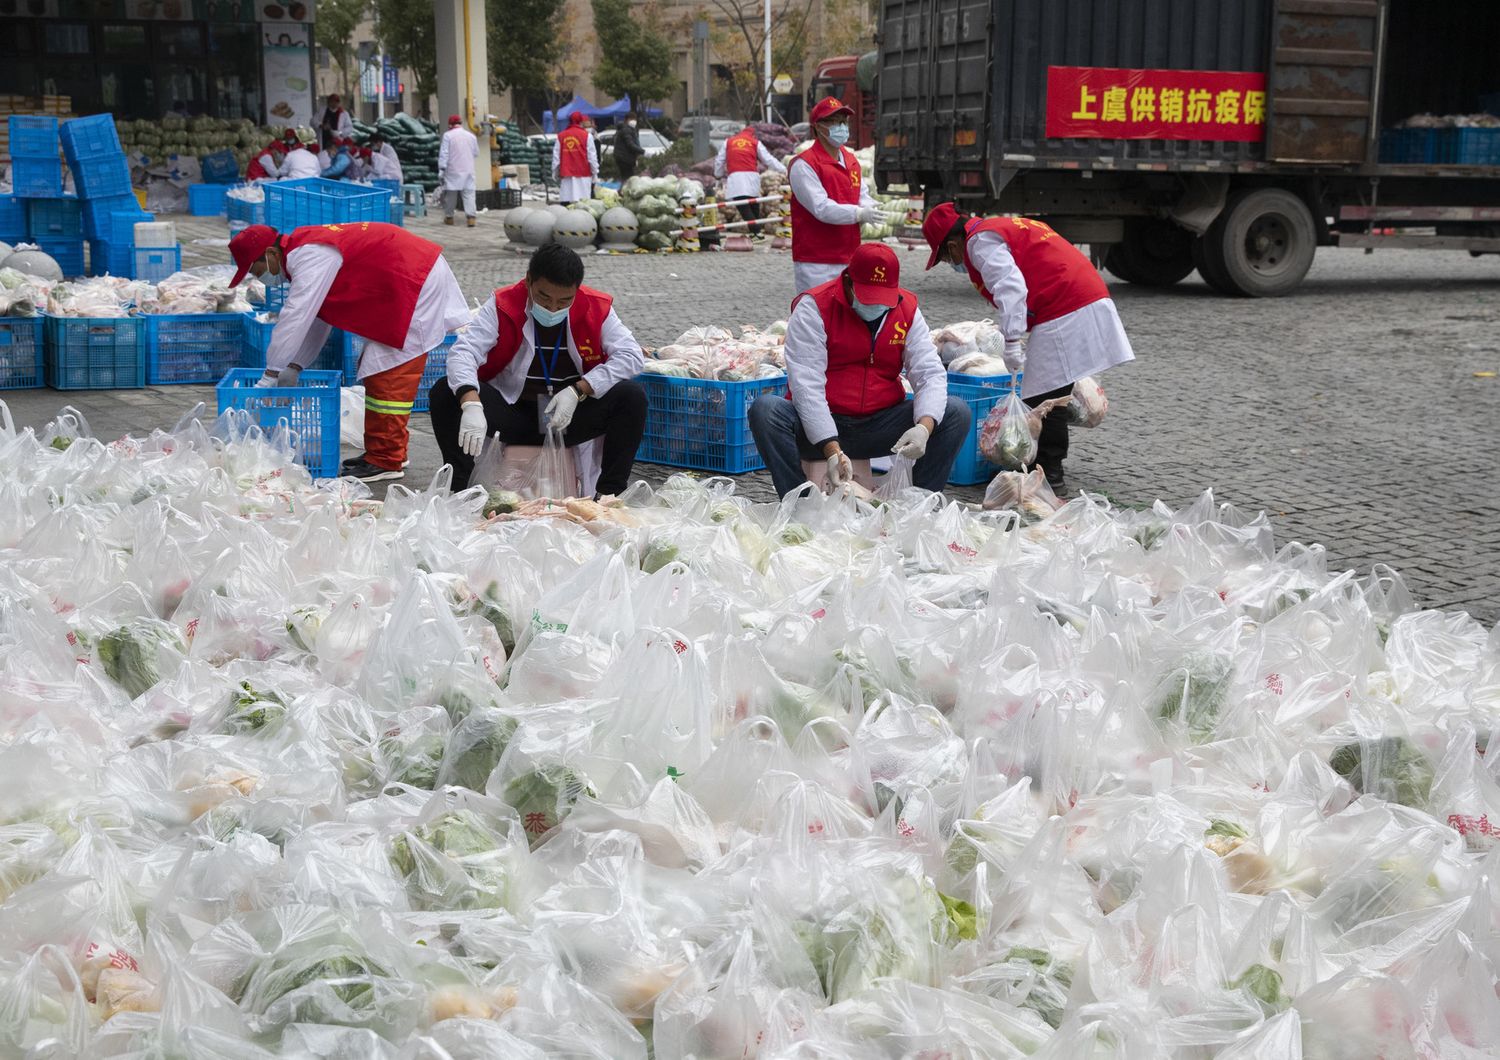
898, 338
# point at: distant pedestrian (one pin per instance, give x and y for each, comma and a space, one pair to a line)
739, 165
456, 158
628, 149
336, 122
575, 161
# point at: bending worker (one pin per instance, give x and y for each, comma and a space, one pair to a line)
1038, 282
456, 157
738, 165
829, 200
267, 164
301, 161
575, 161
847, 343
544, 353
378, 281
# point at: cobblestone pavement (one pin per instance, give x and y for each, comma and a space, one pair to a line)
1350, 411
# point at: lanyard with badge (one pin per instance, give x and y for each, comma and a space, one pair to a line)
548, 367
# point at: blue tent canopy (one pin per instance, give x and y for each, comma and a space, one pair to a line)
609, 112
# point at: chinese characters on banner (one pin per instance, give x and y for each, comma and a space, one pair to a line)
1104, 103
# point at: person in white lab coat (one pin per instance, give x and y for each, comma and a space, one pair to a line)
375, 280
1039, 283
830, 199
300, 162
456, 157
738, 165
575, 160
384, 165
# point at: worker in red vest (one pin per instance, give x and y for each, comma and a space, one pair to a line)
738, 165
830, 199
575, 161
1040, 283
546, 353
378, 281
267, 164
848, 341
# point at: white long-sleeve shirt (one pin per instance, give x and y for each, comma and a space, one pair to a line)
990, 254
269, 165
745, 184
811, 194
300, 163
575, 189
807, 371
385, 166
473, 347
456, 155
299, 334
343, 128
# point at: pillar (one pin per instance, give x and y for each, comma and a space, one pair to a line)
463, 74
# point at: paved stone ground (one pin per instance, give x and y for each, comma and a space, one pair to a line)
1350, 411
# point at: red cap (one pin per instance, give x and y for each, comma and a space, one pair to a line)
576, 118
289, 134
454, 119
936, 226
334, 97
876, 274
247, 247
827, 108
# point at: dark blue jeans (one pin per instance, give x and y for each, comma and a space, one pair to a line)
783, 444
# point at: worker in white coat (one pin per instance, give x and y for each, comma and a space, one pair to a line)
739, 164
300, 161
393, 289
830, 199
575, 161
456, 157
384, 164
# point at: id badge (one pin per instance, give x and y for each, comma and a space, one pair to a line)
541, 415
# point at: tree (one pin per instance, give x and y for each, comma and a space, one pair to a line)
740, 46
637, 60
409, 36
334, 31
524, 45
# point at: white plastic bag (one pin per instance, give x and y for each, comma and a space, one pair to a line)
352, 417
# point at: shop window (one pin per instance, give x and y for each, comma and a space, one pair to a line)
67, 38
123, 41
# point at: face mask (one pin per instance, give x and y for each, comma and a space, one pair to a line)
839, 134
631, 124
868, 313
958, 266
548, 318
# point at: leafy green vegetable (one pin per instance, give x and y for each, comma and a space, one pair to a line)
1227, 829
795, 534
475, 747
303, 627
961, 915
1194, 694
472, 877
1048, 996
501, 502
61, 444
544, 797
251, 710
658, 555
129, 656
349, 975
1391, 768
1265, 985
487, 606
414, 760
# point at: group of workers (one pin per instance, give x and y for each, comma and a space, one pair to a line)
297, 155
549, 355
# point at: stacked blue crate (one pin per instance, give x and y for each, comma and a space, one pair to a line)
110, 209
53, 221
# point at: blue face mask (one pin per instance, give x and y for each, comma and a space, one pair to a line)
839, 134
868, 313
959, 266
548, 318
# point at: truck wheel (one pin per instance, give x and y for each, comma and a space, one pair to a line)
1210, 263
1153, 254
1266, 241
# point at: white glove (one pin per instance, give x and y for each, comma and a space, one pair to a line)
912, 444
1015, 355
471, 428
290, 376
869, 215
840, 470
561, 408
266, 380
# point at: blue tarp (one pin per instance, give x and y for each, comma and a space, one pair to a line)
609, 112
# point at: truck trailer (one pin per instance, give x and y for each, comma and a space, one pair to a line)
1230, 136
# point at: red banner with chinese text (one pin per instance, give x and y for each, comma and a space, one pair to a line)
1105, 103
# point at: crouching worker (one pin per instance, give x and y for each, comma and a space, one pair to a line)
847, 342
546, 353
378, 281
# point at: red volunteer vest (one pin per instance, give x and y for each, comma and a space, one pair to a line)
812, 240
256, 171
573, 152
375, 293
1059, 279
864, 371
585, 324
742, 154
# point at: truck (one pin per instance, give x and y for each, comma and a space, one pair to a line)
850, 78
1233, 137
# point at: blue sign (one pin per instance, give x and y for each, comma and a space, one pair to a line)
368, 86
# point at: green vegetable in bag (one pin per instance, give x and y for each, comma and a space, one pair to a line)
251, 710
129, 656
1048, 996
1265, 985
475, 747
1194, 694
1391, 768
544, 797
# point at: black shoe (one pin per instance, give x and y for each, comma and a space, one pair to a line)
359, 461
368, 472
1056, 481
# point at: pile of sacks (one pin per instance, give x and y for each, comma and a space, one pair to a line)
289, 772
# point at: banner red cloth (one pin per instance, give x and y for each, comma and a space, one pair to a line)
1105, 103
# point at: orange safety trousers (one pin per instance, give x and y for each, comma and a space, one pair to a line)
389, 396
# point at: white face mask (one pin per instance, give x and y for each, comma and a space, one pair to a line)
838, 135
868, 313
631, 124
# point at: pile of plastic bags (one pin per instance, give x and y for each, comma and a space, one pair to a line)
22, 295
713, 352
205, 291
288, 772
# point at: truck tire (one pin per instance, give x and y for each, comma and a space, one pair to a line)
1209, 261
1264, 242
1153, 254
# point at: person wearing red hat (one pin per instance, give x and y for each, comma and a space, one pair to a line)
267, 164
336, 123
301, 161
456, 156
375, 280
1039, 283
738, 165
830, 199
575, 160
848, 341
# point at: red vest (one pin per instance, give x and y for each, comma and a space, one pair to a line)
585, 323
812, 240
864, 371
1059, 279
742, 153
573, 152
256, 171
375, 292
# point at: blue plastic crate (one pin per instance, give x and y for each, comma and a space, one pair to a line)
314, 201
12, 219
54, 218
113, 259
39, 178
95, 353
981, 393
435, 368
99, 220
219, 168
256, 339
702, 423
22, 364
1470, 147
33, 136
398, 213
68, 253
91, 137
157, 263
192, 347
99, 178
310, 409
206, 200
244, 212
